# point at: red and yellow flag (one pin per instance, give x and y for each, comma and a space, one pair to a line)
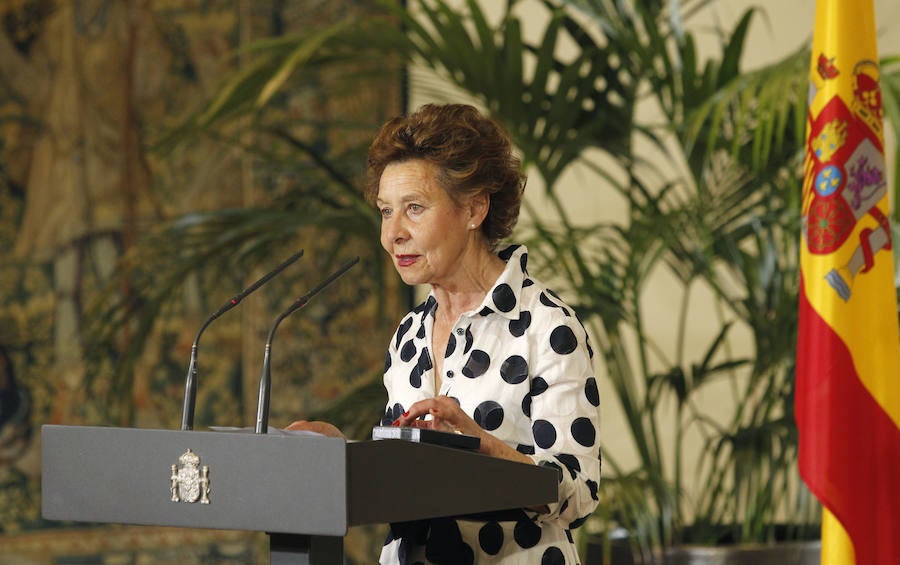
848, 356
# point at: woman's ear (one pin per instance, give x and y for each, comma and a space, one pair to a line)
478, 208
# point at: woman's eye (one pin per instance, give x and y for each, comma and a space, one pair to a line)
416, 208
385, 212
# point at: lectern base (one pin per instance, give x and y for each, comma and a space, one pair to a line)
297, 549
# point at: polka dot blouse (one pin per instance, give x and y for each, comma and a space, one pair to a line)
520, 366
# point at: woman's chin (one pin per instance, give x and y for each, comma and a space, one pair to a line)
413, 281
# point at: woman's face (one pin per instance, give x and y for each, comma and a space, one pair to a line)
425, 232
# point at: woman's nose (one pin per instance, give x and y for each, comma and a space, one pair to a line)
394, 230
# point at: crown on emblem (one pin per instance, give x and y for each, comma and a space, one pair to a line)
189, 458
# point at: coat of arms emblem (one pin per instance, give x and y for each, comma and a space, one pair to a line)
189, 482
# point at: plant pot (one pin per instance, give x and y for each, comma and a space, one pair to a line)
619, 549
783, 553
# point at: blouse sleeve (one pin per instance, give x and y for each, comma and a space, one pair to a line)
393, 409
565, 419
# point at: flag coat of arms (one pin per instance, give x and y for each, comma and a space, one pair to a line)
848, 355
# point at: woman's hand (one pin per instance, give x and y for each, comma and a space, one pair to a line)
446, 416
319, 427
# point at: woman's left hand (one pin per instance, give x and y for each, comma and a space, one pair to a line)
324, 428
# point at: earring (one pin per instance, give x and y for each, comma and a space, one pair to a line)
471, 226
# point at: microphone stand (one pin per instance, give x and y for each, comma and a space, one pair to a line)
190, 383
265, 379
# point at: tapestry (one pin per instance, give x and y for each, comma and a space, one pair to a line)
89, 90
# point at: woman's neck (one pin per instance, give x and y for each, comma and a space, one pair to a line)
475, 280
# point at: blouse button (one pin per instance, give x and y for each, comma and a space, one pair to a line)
450, 374
460, 331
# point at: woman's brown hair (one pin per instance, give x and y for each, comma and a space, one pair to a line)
472, 154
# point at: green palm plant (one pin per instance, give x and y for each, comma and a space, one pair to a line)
725, 222
307, 169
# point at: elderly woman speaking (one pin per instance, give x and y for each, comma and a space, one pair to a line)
491, 352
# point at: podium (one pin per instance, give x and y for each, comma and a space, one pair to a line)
304, 491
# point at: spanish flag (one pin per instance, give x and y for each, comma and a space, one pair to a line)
848, 355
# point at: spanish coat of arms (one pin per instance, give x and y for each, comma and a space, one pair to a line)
189, 482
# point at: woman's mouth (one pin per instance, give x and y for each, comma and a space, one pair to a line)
406, 260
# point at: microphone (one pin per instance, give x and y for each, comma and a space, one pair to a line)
265, 379
190, 384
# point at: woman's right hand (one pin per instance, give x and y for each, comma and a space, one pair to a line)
316, 426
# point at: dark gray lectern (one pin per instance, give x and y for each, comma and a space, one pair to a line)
304, 491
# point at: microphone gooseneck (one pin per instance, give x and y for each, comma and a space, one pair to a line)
190, 383
265, 379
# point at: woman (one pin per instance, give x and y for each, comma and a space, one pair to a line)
513, 365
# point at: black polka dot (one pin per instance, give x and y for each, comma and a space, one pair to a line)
514, 370
505, 254
425, 360
523, 262
538, 386
571, 463
415, 377
490, 538
401, 331
477, 365
590, 391
526, 406
421, 333
408, 351
517, 327
391, 414
527, 282
553, 556
451, 346
593, 486
504, 298
387, 361
469, 340
489, 415
583, 431
445, 543
484, 312
526, 449
577, 523
526, 533
544, 434
545, 300
428, 305
563, 340
422, 366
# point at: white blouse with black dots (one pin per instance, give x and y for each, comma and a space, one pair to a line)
520, 366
